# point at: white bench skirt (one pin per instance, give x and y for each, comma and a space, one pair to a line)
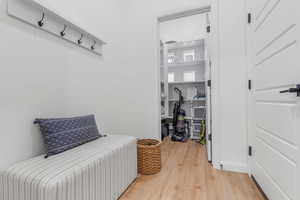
99, 170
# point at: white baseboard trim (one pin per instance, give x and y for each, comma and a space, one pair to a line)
232, 166
235, 167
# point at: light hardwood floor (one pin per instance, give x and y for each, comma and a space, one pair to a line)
186, 175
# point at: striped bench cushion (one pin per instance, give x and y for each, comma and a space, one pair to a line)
99, 170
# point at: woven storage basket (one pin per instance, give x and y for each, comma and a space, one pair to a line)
149, 156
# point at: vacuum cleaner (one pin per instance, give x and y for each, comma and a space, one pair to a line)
181, 130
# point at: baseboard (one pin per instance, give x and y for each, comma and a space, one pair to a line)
232, 166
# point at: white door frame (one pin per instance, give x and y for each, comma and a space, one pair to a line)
250, 91
214, 10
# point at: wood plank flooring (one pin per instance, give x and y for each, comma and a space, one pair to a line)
186, 175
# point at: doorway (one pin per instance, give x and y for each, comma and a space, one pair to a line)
185, 70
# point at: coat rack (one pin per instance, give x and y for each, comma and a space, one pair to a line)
44, 17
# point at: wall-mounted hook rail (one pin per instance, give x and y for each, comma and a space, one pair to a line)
63, 32
94, 45
41, 22
38, 14
80, 39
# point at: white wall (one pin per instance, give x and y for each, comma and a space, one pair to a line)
233, 85
120, 90
43, 76
33, 70
36, 80
184, 29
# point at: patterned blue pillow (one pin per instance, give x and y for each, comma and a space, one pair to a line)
62, 134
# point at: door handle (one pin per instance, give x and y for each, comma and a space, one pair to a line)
292, 90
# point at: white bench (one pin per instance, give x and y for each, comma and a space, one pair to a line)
99, 170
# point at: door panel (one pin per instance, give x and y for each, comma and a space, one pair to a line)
265, 31
273, 162
258, 7
277, 119
278, 71
287, 149
273, 48
276, 47
271, 189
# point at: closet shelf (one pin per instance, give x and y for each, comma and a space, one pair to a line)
186, 45
188, 64
201, 99
200, 63
186, 82
188, 118
196, 124
199, 107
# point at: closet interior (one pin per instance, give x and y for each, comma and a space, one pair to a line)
185, 67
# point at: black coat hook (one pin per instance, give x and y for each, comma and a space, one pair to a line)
80, 40
41, 22
63, 32
93, 46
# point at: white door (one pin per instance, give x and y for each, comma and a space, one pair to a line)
273, 48
208, 89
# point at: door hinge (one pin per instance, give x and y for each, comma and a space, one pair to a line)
208, 29
249, 84
249, 18
210, 137
209, 83
250, 151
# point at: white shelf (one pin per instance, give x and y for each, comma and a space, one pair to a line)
185, 45
188, 118
186, 82
163, 117
187, 64
199, 107
199, 118
202, 99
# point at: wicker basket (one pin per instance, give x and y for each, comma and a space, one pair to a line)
149, 156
